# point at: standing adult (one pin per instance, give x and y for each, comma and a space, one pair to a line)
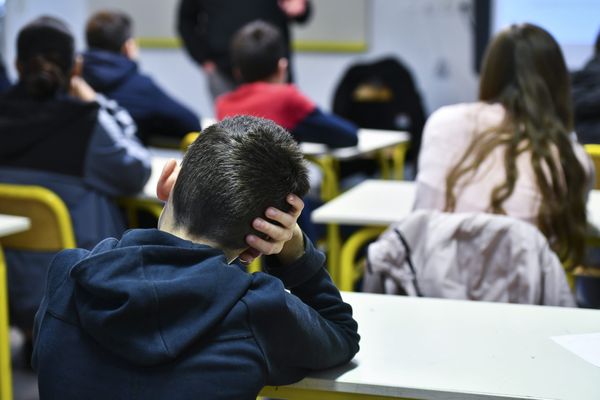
207, 26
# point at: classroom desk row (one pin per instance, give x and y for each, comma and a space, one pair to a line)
418, 348
432, 349
370, 141
374, 205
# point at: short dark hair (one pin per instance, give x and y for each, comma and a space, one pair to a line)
108, 30
597, 44
256, 50
231, 174
45, 53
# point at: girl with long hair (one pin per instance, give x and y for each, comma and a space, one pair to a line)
513, 152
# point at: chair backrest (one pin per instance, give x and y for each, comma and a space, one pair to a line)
188, 140
594, 152
51, 227
469, 256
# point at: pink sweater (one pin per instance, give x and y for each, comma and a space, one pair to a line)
446, 136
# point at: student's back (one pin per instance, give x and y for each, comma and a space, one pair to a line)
257, 52
163, 314
513, 152
110, 67
79, 146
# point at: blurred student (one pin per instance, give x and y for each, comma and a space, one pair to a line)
207, 27
56, 132
259, 62
586, 98
514, 151
110, 67
162, 313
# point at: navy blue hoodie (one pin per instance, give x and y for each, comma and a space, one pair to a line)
153, 316
155, 112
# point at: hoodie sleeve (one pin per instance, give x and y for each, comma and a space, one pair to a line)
310, 328
161, 114
324, 128
116, 164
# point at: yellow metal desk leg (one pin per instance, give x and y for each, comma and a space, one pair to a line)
330, 186
5, 368
398, 158
334, 244
384, 165
348, 255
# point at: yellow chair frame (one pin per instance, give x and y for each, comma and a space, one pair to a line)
593, 151
188, 140
5, 367
51, 226
51, 230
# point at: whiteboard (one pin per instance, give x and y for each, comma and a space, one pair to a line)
335, 25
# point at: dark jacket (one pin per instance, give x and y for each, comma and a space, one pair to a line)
153, 316
207, 26
86, 153
586, 102
391, 100
154, 111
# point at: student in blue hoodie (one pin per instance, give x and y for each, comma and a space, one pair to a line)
110, 67
162, 313
56, 132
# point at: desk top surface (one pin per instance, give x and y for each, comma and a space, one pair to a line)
450, 349
382, 202
372, 202
10, 224
369, 141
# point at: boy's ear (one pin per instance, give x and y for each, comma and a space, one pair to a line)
130, 49
282, 69
167, 179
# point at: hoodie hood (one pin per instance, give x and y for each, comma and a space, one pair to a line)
149, 295
105, 70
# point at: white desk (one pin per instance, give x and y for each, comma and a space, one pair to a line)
10, 224
449, 349
369, 142
372, 202
379, 202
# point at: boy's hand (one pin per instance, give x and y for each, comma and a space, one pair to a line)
286, 240
80, 89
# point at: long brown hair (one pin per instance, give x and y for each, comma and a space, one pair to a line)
524, 70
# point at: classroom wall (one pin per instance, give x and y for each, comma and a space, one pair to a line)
433, 37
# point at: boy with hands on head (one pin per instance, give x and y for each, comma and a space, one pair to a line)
162, 313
